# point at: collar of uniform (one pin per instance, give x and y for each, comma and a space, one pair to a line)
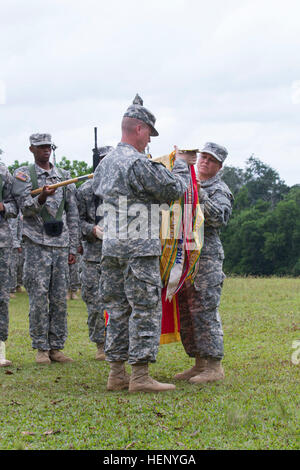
210, 181
52, 172
129, 146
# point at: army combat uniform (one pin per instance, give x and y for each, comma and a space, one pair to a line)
10, 210
90, 273
200, 323
16, 264
46, 256
130, 184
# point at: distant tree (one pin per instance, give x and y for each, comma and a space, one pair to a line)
234, 178
76, 168
263, 182
16, 165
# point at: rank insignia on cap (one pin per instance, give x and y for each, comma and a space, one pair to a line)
21, 176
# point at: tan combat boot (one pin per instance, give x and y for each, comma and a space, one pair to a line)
42, 357
140, 381
118, 378
213, 372
5, 363
57, 356
100, 355
68, 295
199, 367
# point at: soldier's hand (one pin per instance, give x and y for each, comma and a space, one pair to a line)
98, 232
189, 157
1, 207
45, 193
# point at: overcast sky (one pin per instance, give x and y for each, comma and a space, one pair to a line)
224, 71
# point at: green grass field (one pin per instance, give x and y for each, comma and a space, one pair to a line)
257, 406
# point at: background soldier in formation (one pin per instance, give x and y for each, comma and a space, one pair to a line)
88, 205
73, 280
8, 209
200, 323
130, 273
50, 233
16, 262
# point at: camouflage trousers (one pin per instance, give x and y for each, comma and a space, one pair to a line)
4, 291
130, 290
16, 268
90, 281
74, 279
200, 323
45, 279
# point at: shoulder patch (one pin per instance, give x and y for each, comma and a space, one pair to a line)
21, 176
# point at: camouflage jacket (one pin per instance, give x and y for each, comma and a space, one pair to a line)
10, 207
216, 201
33, 227
132, 188
15, 226
87, 207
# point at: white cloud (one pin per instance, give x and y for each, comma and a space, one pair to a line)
221, 71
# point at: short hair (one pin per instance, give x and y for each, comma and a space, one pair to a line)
129, 124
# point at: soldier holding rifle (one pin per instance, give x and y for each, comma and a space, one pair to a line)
50, 234
91, 233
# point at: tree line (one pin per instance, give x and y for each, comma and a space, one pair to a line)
262, 237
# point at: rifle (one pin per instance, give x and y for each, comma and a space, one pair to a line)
63, 183
96, 153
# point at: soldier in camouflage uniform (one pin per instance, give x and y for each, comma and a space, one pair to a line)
73, 280
129, 184
15, 261
92, 250
50, 233
200, 323
8, 209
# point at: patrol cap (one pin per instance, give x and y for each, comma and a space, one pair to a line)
217, 151
138, 111
40, 139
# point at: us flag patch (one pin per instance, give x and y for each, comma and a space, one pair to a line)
21, 176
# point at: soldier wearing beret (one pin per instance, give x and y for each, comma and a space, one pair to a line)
129, 183
50, 234
8, 210
200, 323
91, 235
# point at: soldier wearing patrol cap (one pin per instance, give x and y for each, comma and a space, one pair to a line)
91, 234
50, 234
130, 274
200, 323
